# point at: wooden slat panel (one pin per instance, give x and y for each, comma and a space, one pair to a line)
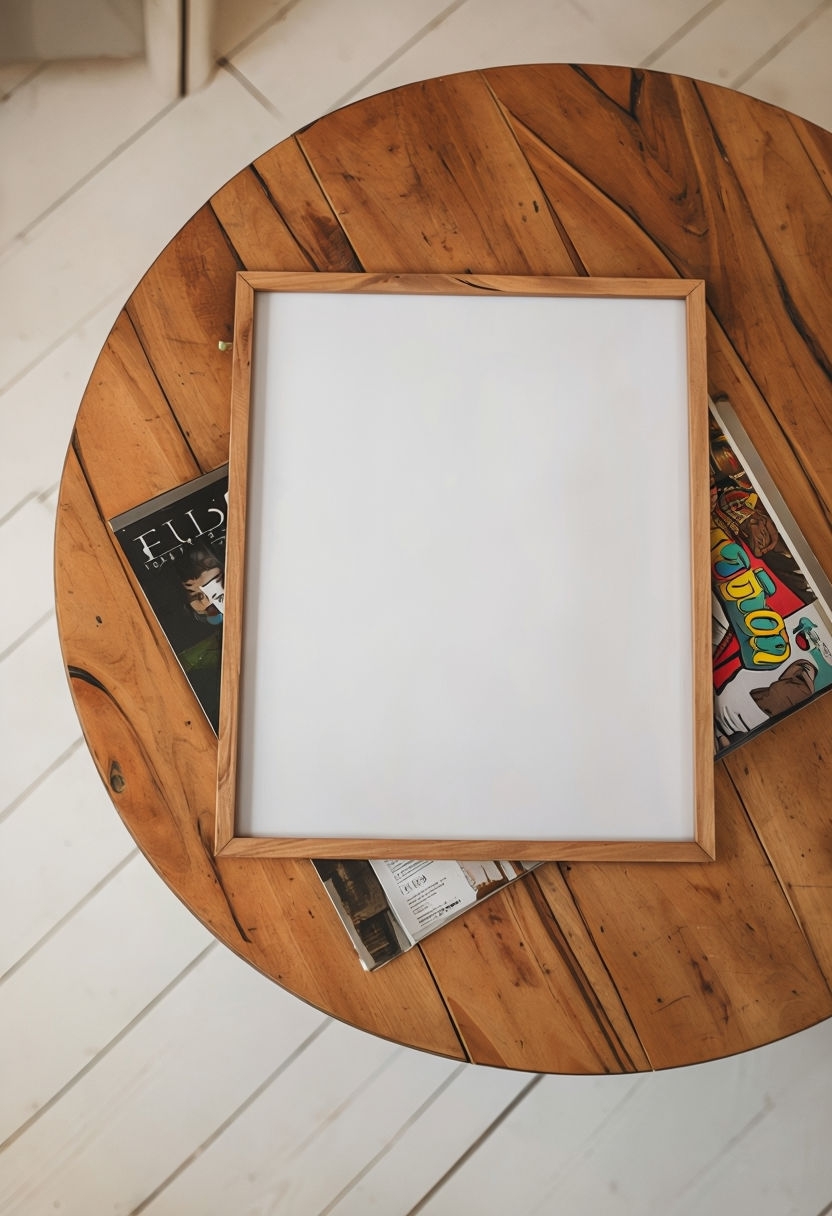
182, 308
157, 755
665, 167
792, 813
430, 178
789, 206
620, 85
625, 176
609, 241
538, 1009
555, 890
818, 145
255, 228
95, 1006
125, 412
708, 959
297, 195
190, 1062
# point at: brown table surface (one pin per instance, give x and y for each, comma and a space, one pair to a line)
543, 170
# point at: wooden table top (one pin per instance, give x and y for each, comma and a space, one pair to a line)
581, 968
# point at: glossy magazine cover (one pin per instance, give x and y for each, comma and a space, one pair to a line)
772, 627
175, 545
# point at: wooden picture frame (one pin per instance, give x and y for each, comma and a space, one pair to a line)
418, 464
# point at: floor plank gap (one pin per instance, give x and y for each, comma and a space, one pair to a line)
775, 50
114, 1042
235, 1114
679, 34
477, 1144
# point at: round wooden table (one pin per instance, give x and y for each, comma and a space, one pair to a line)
559, 170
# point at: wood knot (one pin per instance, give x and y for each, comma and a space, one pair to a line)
117, 782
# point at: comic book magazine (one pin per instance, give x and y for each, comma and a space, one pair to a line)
175, 544
772, 626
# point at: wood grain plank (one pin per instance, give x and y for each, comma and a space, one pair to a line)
708, 959
784, 777
559, 898
318, 1125
789, 206
664, 166
255, 228
95, 1006
771, 774
818, 145
181, 310
59, 844
522, 1166
429, 178
157, 755
539, 1009
152, 1100
126, 413
435, 1140
610, 241
296, 194
620, 85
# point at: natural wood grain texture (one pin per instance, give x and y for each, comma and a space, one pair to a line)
571, 1016
560, 1024
609, 241
465, 849
707, 959
474, 284
818, 145
789, 208
431, 179
157, 756
634, 174
791, 471
700, 532
254, 227
620, 86
182, 309
296, 194
127, 413
786, 788
664, 166
557, 895
232, 652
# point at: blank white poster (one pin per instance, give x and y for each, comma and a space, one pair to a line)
468, 590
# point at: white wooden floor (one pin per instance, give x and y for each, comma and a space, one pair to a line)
115, 1096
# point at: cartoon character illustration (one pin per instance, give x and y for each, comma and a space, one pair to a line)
769, 656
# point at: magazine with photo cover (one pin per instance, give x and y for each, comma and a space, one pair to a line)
388, 906
772, 626
175, 545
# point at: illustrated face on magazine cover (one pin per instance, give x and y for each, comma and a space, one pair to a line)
769, 657
201, 592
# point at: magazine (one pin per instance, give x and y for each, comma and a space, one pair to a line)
772, 626
175, 544
388, 906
